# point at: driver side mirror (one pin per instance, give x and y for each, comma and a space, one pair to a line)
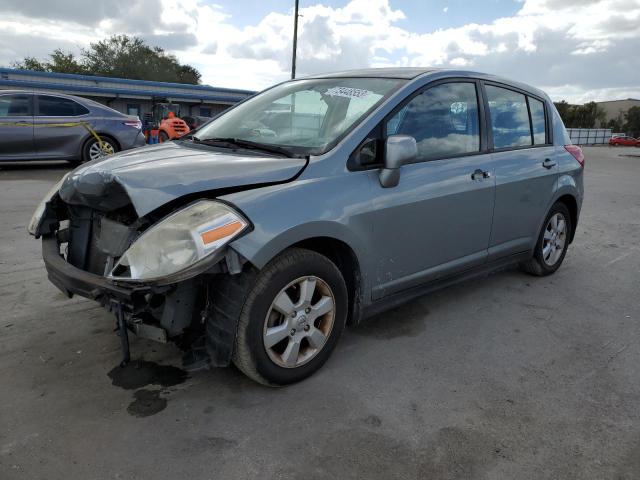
399, 150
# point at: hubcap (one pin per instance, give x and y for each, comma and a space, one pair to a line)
555, 237
299, 322
96, 152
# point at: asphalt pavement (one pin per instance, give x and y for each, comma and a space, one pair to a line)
506, 377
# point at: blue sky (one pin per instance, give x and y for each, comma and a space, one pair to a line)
422, 16
578, 50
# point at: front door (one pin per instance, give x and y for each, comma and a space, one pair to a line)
16, 127
437, 221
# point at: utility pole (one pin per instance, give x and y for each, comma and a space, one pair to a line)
295, 42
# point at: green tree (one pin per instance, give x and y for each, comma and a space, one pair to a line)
581, 116
31, 63
590, 115
188, 74
59, 61
632, 121
566, 112
118, 56
615, 125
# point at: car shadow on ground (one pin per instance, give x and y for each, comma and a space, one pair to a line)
35, 165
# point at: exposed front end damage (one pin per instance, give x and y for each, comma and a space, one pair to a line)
143, 233
81, 244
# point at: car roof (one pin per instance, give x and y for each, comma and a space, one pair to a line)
411, 73
393, 72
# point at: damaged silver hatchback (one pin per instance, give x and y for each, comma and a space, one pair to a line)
316, 203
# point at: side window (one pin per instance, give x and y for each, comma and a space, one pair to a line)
509, 117
538, 121
59, 107
443, 120
15, 106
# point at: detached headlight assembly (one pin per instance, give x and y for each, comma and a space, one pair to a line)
36, 218
182, 240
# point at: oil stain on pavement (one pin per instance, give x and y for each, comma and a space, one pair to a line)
141, 373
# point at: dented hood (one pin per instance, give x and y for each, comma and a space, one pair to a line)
151, 176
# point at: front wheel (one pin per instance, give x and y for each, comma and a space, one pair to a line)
292, 315
553, 242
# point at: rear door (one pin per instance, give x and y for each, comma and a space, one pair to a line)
437, 221
526, 170
16, 127
59, 132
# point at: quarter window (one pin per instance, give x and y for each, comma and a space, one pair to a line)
538, 121
509, 118
443, 120
15, 106
59, 107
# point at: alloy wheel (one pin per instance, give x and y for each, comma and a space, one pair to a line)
555, 237
299, 322
95, 151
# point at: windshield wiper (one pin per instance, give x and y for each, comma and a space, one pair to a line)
248, 144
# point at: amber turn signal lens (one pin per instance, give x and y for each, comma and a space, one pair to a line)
221, 232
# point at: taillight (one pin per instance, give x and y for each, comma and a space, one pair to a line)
576, 151
133, 123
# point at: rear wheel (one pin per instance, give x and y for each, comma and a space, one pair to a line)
553, 242
93, 150
290, 316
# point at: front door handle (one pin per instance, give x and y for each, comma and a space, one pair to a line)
548, 163
480, 174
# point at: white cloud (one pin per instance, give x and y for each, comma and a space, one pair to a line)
575, 49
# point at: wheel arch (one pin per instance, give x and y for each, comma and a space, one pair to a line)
343, 257
331, 239
572, 205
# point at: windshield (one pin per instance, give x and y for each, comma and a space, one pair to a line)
304, 116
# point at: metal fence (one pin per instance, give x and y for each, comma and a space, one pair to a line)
589, 136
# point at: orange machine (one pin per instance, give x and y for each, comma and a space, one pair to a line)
166, 118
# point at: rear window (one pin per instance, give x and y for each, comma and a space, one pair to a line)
509, 118
59, 107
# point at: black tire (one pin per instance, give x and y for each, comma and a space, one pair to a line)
92, 142
163, 137
246, 299
536, 265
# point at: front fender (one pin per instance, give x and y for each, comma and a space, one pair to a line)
259, 247
336, 207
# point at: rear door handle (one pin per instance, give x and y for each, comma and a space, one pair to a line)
548, 163
480, 174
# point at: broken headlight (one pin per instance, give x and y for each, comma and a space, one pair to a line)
36, 218
182, 240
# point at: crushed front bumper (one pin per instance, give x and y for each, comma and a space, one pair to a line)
74, 281
127, 302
